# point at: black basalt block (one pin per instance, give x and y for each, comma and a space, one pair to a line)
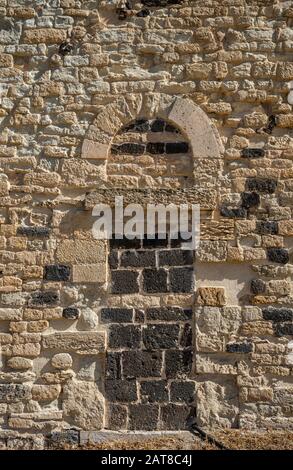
278, 255
252, 153
70, 313
160, 336
267, 227
233, 212
249, 200
44, 298
239, 348
124, 282
257, 286
181, 280
34, 231
57, 272
277, 314
155, 281
261, 185
153, 391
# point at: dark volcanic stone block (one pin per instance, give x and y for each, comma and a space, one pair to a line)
143, 417
252, 153
249, 200
153, 391
182, 391
239, 348
124, 336
278, 255
113, 365
261, 185
116, 315
175, 257
257, 286
277, 314
128, 148
34, 231
186, 337
177, 147
267, 227
70, 313
45, 298
160, 336
158, 125
116, 416
154, 280
113, 259
124, 391
168, 314
69, 436
142, 363
140, 125
125, 243
14, 392
175, 416
155, 243
124, 282
181, 280
283, 329
178, 363
156, 148
57, 272
233, 213
138, 259
139, 316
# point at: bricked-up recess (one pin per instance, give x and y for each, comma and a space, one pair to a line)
150, 148
179, 102
143, 366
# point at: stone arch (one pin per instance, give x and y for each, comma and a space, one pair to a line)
182, 112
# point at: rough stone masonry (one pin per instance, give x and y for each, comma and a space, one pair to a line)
187, 100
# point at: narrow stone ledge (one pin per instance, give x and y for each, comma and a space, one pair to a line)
205, 198
81, 342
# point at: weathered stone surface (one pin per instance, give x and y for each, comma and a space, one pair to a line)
45, 392
80, 342
190, 104
83, 404
61, 361
81, 251
212, 296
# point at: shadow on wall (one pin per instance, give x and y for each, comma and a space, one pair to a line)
234, 278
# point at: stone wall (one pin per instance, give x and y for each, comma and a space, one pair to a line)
182, 101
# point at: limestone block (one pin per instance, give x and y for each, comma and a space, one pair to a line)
62, 361
80, 342
20, 363
10, 314
198, 70
44, 35
217, 403
81, 251
88, 320
45, 392
257, 328
83, 404
217, 230
212, 251
88, 273
286, 228
253, 394
195, 124
94, 150
6, 60
212, 296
